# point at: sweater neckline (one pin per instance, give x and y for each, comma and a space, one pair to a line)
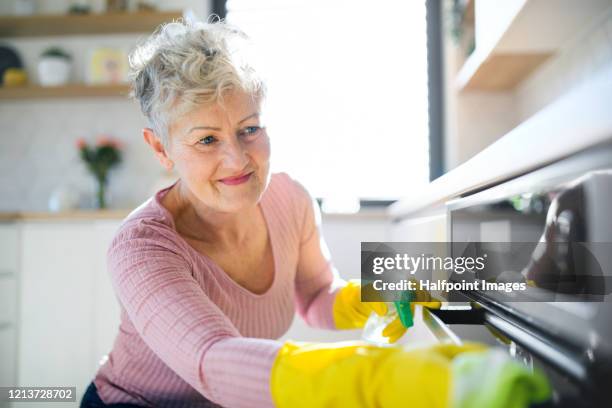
271, 238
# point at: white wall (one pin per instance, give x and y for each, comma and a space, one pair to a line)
491, 19
38, 152
589, 52
482, 117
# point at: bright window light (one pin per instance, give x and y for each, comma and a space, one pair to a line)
347, 103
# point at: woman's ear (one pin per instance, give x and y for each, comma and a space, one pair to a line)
158, 148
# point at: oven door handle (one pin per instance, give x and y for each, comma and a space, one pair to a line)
438, 326
438, 319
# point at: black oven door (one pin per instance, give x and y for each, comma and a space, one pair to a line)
551, 228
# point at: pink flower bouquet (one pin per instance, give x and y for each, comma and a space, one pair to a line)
100, 158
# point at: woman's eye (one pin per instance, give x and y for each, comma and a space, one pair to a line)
250, 130
207, 140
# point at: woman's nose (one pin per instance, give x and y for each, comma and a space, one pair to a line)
235, 155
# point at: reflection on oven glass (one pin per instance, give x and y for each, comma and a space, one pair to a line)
558, 241
567, 262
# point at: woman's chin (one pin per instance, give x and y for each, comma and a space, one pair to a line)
236, 201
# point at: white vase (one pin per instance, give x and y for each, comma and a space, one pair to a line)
64, 198
54, 71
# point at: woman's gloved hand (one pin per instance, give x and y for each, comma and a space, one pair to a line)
351, 313
356, 375
494, 380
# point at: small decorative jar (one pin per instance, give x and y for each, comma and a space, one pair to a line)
54, 67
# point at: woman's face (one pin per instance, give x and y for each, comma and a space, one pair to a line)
222, 153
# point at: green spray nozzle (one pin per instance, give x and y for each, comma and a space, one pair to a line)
403, 308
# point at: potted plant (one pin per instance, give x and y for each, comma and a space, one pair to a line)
100, 158
54, 67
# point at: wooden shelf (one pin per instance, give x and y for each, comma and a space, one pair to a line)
498, 72
65, 91
524, 45
111, 23
69, 215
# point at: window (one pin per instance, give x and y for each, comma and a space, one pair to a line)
347, 111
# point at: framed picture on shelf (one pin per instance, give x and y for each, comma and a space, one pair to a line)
107, 66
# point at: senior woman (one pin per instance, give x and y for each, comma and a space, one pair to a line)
210, 270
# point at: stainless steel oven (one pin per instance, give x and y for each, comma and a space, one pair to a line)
568, 334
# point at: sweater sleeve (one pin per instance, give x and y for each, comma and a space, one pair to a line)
317, 281
182, 326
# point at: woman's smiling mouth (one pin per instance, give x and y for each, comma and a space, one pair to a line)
232, 181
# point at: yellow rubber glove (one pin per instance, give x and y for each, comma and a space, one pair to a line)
358, 375
348, 309
351, 313
396, 329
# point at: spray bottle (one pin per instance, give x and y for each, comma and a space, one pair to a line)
372, 331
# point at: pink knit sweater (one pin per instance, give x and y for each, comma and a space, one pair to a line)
187, 329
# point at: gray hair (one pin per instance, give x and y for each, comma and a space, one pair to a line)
185, 64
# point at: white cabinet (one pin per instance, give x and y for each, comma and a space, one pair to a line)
9, 244
7, 358
105, 305
68, 314
9, 264
8, 299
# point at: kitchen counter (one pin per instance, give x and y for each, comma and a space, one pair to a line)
580, 119
74, 215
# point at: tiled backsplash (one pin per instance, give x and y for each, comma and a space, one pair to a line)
38, 152
37, 136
